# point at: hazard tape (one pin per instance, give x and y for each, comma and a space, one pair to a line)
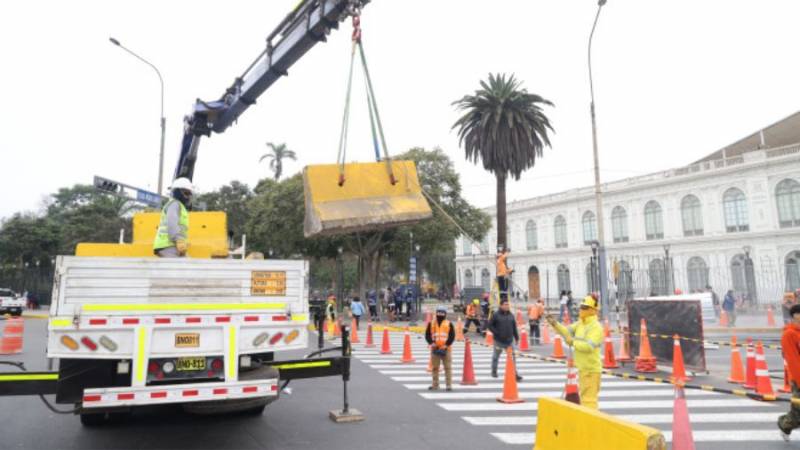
704, 341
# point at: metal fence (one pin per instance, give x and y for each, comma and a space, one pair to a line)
36, 281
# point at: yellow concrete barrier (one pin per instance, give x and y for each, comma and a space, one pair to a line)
563, 425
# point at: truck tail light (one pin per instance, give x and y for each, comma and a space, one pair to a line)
260, 339
291, 336
153, 367
69, 343
217, 364
277, 337
88, 343
108, 344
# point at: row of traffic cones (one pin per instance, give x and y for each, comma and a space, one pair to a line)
12, 336
756, 375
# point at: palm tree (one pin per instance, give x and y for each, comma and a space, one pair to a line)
276, 156
504, 127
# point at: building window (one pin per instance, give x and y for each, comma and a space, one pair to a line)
486, 280
589, 227
735, 206
531, 239
560, 232
692, 215
563, 278
466, 246
619, 224
468, 280
592, 283
653, 221
623, 277
792, 266
787, 195
697, 273
658, 277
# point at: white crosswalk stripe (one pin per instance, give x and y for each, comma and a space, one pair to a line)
648, 403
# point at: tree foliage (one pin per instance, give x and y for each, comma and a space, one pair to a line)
276, 155
232, 198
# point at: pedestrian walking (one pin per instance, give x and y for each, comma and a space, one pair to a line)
562, 305
535, 312
472, 316
440, 335
372, 304
790, 345
357, 309
503, 326
714, 300
585, 336
729, 305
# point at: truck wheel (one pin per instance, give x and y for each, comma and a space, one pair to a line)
249, 406
93, 419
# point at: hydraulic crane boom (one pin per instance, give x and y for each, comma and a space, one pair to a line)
310, 22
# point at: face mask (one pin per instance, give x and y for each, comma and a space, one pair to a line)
440, 316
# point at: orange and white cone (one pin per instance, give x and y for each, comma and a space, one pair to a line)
737, 369
682, 438
468, 372
624, 346
678, 370
558, 349
510, 391
787, 388
770, 317
407, 358
12, 336
750, 373
524, 345
609, 362
386, 346
545, 334
370, 343
459, 330
763, 382
645, 362
354, 333
571, 392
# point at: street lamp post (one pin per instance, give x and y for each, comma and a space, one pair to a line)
749, 275
163, 119
340, 279
417, 276
597, 191
593, 265
668, 271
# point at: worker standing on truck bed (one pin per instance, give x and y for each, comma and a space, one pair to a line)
173, 230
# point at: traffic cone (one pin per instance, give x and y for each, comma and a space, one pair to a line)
489, 338
468, 372
430, 361
609, 362
567, 320
723, 319
510, 392
386, 347
519, 318
786, 387
678, 370
737, 370
645, 361
624, 346
750, 374
354, 333
770, 317
571, 393
370, 343
763, 382
545, 334
524, 345
329, 327
459, 330
12, 336
682, 438
558, 349
337, 328
407, 358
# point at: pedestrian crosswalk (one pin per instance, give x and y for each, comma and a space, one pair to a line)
716, 418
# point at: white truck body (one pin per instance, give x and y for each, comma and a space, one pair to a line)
193, 312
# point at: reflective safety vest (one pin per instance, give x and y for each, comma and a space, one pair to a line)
535, 311
439, 333
162, 235
502, 268
471, 311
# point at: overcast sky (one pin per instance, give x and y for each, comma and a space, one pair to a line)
674, 81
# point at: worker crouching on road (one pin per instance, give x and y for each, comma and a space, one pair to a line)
440, 336
504, 328
472, 316
790, 343
173, 230
586, 338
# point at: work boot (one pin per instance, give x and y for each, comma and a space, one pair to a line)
494, 374
449, 388
519, 378
433, 388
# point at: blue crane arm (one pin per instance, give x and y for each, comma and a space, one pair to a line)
310, 22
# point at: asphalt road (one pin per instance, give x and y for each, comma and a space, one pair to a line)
400, 412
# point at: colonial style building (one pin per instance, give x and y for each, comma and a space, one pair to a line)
731, 220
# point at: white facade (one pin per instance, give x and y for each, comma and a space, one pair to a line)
710, 213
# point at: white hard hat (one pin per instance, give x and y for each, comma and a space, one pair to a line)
182, 183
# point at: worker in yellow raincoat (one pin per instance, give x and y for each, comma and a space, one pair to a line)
586, 338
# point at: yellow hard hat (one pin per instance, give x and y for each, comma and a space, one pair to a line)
476, 301
590, 302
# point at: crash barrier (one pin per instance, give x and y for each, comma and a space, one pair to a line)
562, 424
670, 317
12, 336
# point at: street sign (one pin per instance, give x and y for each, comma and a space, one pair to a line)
412, 270
130, 192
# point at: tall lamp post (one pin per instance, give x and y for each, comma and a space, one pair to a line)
593, 265
163, 119
340, 279
749, 276
597, 191
419, 281
669, 283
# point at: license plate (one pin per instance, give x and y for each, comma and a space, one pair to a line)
187, 339
186, 364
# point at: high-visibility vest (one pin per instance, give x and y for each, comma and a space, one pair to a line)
502, 268
162, 236
535, 311
439, 333
471, 311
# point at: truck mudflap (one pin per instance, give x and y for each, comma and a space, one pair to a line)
28, 383
312, 368
177, 393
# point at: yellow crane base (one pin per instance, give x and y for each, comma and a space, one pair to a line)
367, 200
